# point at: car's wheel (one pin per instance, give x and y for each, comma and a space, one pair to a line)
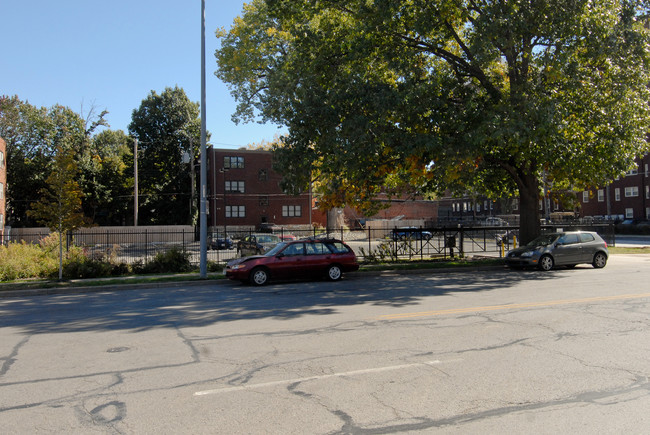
259, 276
600, 260
334, 272
546, 263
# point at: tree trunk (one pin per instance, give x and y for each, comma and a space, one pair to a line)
529, 225
334, 219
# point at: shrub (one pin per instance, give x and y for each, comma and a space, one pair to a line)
22, 260
173, 261
83, 267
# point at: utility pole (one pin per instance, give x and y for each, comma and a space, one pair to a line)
204, 175
135, 183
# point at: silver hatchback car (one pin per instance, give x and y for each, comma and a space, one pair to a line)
561, 249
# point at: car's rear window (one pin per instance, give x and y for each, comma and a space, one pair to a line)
338, 247
586, 237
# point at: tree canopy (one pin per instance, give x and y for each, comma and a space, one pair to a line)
485, 96
33, 136
166, 126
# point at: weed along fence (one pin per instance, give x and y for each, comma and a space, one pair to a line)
381, 243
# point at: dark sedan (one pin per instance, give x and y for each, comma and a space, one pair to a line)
220, 243
561, 249
410, 233
327, 258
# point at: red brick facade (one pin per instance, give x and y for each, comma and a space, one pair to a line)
625, 198
244, 191
3, 187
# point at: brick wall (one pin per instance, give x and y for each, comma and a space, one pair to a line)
3, 186
244, 190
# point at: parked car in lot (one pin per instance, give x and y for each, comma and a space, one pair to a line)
295, 259
561, 249
492, 221
409, 233
256, 244
220, 243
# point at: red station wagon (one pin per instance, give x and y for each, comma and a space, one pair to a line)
295, 259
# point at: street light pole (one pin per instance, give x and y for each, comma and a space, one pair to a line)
202, 214
135, 184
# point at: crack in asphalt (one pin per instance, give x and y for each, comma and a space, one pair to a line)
590, 397
11, 358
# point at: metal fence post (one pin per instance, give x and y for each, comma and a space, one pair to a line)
461, 250
369, 241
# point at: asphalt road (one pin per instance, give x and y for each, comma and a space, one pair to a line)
493, 351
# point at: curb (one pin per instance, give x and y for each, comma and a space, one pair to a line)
70, 289
65, 290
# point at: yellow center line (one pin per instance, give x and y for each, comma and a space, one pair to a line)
511, 306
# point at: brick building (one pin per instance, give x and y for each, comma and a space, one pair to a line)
244, 192
625, 198
3, 187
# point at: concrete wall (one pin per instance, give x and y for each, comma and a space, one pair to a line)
114, 235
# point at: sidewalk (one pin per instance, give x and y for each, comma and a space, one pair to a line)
632, 241
76, 286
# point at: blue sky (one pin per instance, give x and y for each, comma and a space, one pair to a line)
111, 54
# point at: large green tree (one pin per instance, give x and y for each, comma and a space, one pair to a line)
106, 177
489, 96
33, 136
103, 159
166, 125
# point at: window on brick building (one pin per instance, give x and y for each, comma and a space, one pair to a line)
234, 187
585, 196
2, 191
617, 194
2, 159
632, 172
235, 211
601, 195
264, 200
263, 175
631, 191
230, 162
629, 213
291, 211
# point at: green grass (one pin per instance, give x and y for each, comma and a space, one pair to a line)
640, 250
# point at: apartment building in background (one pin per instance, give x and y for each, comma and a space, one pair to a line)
625, 198
244, 192
3, 187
